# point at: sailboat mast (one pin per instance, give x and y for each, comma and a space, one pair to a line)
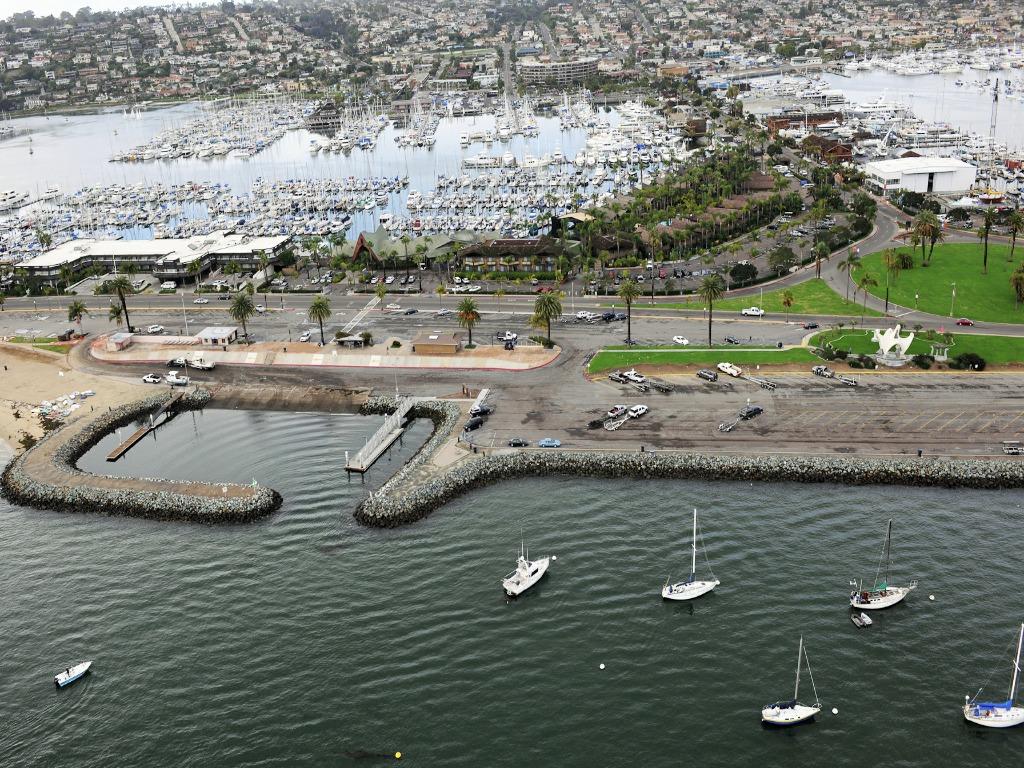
693, 558
1016, 666
888, 551
799, 654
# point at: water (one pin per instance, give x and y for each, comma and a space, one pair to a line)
303, 637
73, 152
936, 98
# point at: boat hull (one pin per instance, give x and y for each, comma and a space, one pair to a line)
801, 713
689, 591
66, 678
514, 586
892, 596
998, 718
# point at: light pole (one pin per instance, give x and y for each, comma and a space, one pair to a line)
650, 268
917, 296
183, 315
952, 299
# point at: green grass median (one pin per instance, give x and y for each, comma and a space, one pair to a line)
618, 359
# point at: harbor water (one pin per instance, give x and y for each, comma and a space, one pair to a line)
306, 639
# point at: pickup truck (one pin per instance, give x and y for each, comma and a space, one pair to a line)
824, 371
730, 369
202, 365
175, 380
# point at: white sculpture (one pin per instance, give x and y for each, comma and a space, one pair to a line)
890, 339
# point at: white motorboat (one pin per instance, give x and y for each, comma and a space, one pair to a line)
882, 594
793, 712
861, 619
998, 714
690, 587
71, 674
527, 573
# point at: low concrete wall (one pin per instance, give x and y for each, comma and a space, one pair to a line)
395, 505
46, 477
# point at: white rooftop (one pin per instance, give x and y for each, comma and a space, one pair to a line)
916, 165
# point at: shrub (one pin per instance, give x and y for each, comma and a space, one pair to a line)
906, 260
922, 361
396, 344
367, 338
825, 353
543, 341
854, 363
866, 361
968, 361
841, 354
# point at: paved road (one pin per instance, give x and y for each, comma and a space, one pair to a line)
545, 32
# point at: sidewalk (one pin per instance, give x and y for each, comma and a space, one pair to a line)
296, 354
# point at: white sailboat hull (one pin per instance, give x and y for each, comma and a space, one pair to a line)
876, 602
684, 591
800, 713
997, 718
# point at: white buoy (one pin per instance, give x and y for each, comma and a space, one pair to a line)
835, 711
600, 666
931, 597
554, 557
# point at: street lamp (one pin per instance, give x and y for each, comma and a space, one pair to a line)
650, 268
952, 299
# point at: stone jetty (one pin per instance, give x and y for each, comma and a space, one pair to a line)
46, 476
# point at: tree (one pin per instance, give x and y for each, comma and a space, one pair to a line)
821, 251
711, 290
3, 299
381, 291
787, 302
241, 310
1017, 282
546, 308
320, 310
122, 285
498, 294
892, 263
440, 291
468, 316
1015, 223
848, 265
44, 238
983, 232
76, 310
629, 292
116, 315
925, 227
866, 281
195, 269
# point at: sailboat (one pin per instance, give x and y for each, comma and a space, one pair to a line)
882, 594
527, 573
998, 714
793, 712
690, 587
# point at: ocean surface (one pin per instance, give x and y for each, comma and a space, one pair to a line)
306, 639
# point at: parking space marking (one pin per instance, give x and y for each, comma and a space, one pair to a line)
1013, 420
933, 418
950, 421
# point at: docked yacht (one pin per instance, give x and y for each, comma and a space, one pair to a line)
10, 200
527, 573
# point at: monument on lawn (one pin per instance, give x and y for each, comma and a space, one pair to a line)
892, 348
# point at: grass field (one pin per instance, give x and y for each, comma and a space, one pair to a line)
979, 297
997, 350
812, 297
43, 342
616, 359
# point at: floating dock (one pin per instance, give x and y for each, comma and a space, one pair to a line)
382, 439
142, 431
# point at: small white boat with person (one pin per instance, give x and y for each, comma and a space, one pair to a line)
793, 712
998, 714
71, 674
882, 594
527, 573
690, 587
861, 619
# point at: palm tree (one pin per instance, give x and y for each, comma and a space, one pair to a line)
546, 308
787, 302
122, 285
440, 291
468, 316
629, 292
891, 262
1015, 223
381, 291
405, 245
195, 269
44, 238
1017, 282
821, 251
921, 231
848, 265
983, 233
498, 294
116, 315
320, 310
241, 310
76, 309
866, 281
711, 290
3, 299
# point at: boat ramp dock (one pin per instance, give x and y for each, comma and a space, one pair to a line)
166, 411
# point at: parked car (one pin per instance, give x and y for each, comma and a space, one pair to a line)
549, 442
444, 312
411, 311
260, 309
202, 364
481, 410
730, 369
634, 376
608, 316
154, 329
474, 289
810, 326
824, 371
393, 307
201, 300
731, 340
707, 374
305, 336
752, 312
680, 340
474, 423
151, 378
389, 279
637, 411
178, 362
964, 321
616, 411
750, 411
508, 336
518, 442
620, 316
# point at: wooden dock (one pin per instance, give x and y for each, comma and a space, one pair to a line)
144, 430
382, 439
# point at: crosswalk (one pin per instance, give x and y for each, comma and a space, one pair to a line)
351, 324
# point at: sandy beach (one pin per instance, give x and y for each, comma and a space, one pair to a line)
28, 376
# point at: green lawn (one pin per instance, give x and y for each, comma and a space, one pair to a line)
812, 297
997, 350
978, 296
614, 359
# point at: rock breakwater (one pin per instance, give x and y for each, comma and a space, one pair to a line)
46, 476
397, 503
